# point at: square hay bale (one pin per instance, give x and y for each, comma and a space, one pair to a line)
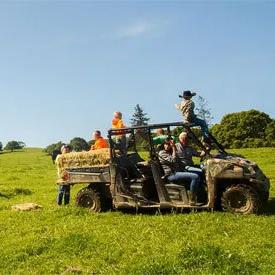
87, 159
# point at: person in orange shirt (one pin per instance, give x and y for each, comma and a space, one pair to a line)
117, 123
100, 142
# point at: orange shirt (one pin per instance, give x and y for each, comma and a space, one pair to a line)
100, 144
117, 123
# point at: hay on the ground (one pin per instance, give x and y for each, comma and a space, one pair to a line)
26, 207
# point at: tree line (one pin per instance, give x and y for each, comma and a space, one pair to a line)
245, 129
12, 145
79, 144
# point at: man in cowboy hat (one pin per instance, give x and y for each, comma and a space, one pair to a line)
187, 107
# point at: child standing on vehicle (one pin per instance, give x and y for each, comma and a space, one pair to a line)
120, 138
187, 107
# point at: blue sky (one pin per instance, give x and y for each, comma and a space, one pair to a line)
66, 66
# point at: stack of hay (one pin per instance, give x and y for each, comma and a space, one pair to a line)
97, 158
26, 207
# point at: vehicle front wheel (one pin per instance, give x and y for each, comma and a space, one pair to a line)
89, 198
242, 199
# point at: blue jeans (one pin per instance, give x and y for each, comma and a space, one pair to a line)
63, 191
204, 128
182, 176
195, 170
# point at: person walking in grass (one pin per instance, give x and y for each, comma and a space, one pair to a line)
64, 190
187, 107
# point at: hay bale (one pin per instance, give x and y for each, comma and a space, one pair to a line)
88, 159
26, 207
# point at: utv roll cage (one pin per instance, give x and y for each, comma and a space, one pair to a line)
146, 132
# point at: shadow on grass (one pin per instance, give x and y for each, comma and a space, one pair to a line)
2, 195
153, 212
9, 194
269, 209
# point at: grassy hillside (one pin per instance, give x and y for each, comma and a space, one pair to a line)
72, 240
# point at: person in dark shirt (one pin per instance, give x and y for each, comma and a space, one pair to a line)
170, 164
185, 153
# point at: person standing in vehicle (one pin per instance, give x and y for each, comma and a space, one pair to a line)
64, 190
120, 138
169, 162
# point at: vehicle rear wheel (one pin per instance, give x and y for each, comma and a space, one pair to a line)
242, 199
89, 198
265, 196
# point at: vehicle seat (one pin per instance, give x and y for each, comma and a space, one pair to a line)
172, 184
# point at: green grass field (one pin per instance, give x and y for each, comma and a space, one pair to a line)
70, 240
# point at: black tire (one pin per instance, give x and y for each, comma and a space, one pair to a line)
89, 198
265, 197
241, 199
107, 201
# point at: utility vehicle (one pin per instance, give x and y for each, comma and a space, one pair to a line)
134, 177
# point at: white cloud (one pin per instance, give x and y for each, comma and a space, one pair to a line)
134, 30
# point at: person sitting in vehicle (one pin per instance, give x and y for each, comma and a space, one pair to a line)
185, 153
160, 137
120, 138
64, 190
172, 171
100, 142
187, 107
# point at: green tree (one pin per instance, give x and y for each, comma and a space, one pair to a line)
21, 144
52, 147
1, 146
14, 145
202, 110
79, 144
243, 129
139, 117
270, 133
